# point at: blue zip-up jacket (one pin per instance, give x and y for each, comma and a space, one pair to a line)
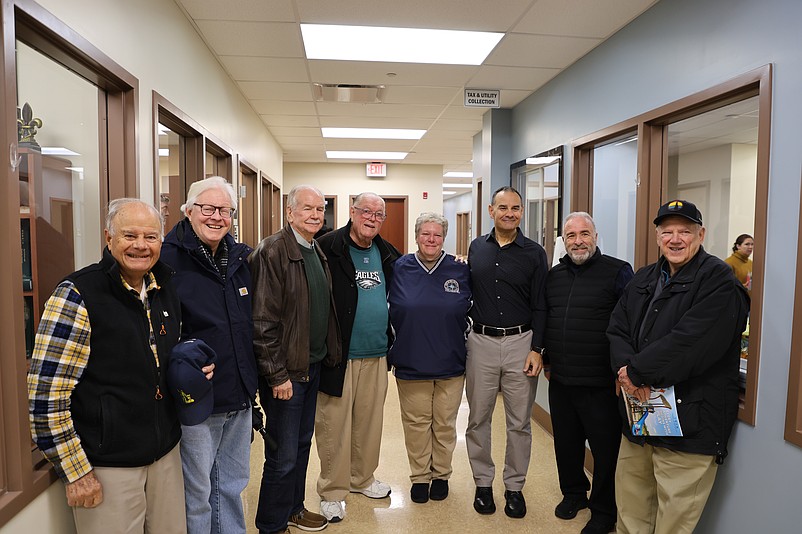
216, 312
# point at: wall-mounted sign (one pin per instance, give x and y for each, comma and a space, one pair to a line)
482, 98
377, 170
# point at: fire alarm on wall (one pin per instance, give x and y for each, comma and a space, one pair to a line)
425, 195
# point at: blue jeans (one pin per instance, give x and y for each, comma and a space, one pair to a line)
215, 456
290, 423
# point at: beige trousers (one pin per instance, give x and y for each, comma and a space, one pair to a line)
138, 500
661, 491
348, 429
497, 364
429, 416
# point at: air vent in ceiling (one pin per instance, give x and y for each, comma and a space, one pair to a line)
344, 92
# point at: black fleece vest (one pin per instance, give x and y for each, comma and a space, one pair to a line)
580, 302
115, 406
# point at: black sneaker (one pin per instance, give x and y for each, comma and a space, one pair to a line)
570, 506
599, 526
419, 492
439, 489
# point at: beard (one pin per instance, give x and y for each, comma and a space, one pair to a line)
581, 255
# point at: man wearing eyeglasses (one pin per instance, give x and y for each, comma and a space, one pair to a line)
508, 276
213, 281
351, 398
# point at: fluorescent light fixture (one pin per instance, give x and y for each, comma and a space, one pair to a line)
449, 192
58, 151
542, 161
457, 174
399, 45
372, 133
164, 152
457, 186
366, 155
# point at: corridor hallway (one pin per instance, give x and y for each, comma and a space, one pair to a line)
398, 514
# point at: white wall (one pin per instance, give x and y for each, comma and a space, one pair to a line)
344, 179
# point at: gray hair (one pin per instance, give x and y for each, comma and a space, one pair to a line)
430, 216
579, 214
118, 204
292, 197
201, 186
362, 196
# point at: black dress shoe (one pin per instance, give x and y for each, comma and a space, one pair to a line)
419, 492
439, 489
569, 506
516, 505
483, 501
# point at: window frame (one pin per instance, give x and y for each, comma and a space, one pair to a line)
653, 183
23, 476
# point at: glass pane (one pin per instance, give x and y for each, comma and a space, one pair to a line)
59, 169
211, 165
615, 173
538, 179
170, 176
712, 162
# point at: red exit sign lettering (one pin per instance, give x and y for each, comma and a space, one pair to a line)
377, 169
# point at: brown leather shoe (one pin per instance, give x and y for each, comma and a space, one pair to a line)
309, 521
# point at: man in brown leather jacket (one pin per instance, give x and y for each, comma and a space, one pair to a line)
295, 332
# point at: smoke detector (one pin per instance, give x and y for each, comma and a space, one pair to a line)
345, 92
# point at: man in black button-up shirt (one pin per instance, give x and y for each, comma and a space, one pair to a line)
508, 274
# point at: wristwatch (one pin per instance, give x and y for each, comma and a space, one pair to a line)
540, 350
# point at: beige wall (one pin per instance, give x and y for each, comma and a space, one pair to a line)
344, 179
48, 513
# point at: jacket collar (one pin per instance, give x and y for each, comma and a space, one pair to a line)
161, 271
568, 262
688, 271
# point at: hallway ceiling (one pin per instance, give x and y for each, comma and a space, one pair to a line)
259, 44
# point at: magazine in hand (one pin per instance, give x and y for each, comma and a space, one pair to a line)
655, 417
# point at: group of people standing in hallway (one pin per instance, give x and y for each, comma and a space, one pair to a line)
146, 367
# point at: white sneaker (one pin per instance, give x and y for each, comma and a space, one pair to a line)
334, 511
377, 490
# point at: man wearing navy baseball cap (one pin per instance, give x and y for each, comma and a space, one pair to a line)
678, 323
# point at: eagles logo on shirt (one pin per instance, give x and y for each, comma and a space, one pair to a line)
451, 286
368, 280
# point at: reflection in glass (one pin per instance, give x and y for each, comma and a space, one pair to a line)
170, 177
712, 162
539, 180
615, 173
59, 173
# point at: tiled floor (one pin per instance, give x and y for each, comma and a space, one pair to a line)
455, 514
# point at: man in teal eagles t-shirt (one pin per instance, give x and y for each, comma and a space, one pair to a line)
351, 399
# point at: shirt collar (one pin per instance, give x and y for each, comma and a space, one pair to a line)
301, 240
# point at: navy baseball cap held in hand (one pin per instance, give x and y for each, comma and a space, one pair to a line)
679, 208
193, 393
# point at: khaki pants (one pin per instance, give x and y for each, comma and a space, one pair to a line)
661, 491
138, 500
429, 415
497, 364
348, 429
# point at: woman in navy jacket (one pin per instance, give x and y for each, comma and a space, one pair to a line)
213, 281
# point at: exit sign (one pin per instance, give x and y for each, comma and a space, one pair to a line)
377, 170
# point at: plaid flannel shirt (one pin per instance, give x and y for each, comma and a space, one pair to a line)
60, 355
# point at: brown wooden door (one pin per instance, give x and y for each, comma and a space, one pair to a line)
394, 228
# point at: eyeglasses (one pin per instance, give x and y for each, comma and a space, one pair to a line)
367, 214
208, 210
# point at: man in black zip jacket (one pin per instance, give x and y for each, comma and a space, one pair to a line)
581, 292
679, 324
100, 408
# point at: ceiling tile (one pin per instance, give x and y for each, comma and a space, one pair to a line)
265, 69
235, 38
542, 51
580, 18
275, 10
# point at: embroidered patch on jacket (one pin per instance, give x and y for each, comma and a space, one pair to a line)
451, 286
243, 291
